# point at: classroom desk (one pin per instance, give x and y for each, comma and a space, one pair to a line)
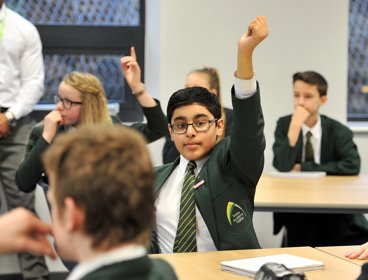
339, 252
192, 266
329, 194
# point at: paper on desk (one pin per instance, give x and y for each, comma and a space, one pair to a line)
298, 174
250, 266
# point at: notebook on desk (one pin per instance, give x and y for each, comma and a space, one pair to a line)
250, 266
298, 174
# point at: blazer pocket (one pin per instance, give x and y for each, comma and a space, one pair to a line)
233, 214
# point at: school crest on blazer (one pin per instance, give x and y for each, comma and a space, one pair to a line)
235, 214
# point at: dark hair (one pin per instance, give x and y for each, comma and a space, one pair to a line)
108, 172
312, 78
194, 95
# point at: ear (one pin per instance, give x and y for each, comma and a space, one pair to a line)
214, 91
74, 215
220, 127
171, 132
324, 99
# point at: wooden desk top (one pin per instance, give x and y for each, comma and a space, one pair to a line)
329, 194
189, 266
339, 251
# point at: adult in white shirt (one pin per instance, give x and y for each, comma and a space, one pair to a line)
21, 86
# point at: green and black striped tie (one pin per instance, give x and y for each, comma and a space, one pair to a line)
185, 240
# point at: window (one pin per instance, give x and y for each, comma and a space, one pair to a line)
89, 36
358, 61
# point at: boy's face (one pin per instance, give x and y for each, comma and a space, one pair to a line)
195, 145
59, 226
307, 96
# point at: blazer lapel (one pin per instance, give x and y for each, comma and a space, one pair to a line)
299, 145
162, 173
324, 139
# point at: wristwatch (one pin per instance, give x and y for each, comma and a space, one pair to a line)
12, 122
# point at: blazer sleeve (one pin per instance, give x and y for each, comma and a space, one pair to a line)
156, 126
339, 154
228, 121
284, 156
31, 169
247, 142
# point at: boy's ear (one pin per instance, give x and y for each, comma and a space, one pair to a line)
214, 91
74, 215
170, 131
324, 99
220, 127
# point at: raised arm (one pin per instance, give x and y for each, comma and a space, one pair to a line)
247, 141
257, 32
132, 73
156, 126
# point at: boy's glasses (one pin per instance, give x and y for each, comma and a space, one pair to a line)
199, 126
67, 103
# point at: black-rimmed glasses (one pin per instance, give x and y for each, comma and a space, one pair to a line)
199, 126
67, 103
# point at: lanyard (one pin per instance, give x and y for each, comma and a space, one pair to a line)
2, 27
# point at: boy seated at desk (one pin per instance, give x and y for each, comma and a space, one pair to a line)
101, 196
309, 141
205, 198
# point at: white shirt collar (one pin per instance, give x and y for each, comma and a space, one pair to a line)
125, 253
316, 130
184, 162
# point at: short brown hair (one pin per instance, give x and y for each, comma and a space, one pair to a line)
107, 171
312, 78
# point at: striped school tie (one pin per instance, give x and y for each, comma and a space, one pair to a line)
185, 240
309, 151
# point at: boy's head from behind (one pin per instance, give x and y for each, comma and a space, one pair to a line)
101, 181
195, 124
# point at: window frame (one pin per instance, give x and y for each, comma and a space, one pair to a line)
81, 39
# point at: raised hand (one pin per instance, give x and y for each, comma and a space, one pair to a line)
257, 32
132, 71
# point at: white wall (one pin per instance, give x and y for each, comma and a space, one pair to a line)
304, 35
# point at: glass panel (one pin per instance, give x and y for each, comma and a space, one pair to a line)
358, 61
79, 12
106, 67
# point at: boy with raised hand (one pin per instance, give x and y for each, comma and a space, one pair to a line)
101, 196
205, 199
309, 141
